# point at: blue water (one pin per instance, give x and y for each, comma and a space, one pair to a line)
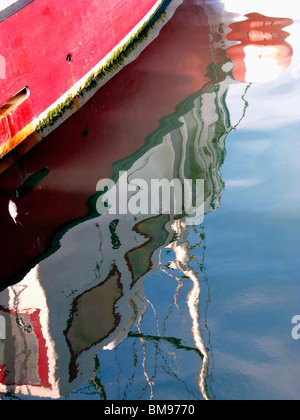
217, 324
255, 288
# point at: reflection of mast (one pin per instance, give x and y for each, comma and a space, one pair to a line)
181, 248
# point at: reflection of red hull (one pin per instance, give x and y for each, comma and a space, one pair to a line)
109, 128
262, 40
48, 48
40, 378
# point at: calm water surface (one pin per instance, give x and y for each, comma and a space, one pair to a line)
156, 307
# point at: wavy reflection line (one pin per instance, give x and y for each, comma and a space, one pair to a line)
96, 382
149, 381
181, 263
202, 236
176, 296
131, 379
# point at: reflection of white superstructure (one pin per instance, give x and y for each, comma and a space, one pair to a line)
89, 294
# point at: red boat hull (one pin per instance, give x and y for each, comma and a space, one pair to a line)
47, 48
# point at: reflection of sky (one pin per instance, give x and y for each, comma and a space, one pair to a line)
264, 174
252, 256
269, 100
252, 263
264, 152
272, 8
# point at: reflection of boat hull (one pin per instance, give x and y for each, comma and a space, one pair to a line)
49, 71
88, 294
74, 158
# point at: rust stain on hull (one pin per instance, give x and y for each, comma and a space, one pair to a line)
18, 145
